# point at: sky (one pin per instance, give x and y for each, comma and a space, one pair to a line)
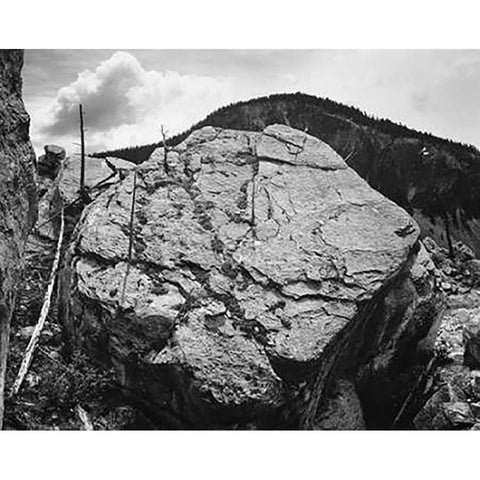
128, 94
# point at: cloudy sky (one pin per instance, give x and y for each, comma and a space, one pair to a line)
128, 94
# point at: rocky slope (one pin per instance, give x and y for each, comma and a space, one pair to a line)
269, 286
435, 180
17, 192
451, 395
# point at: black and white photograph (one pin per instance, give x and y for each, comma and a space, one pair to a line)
238, 239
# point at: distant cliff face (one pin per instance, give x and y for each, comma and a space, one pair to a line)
17, 189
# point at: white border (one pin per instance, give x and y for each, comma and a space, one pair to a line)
238, 24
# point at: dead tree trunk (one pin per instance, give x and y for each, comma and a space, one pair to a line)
165, 151
82, 152
27, 359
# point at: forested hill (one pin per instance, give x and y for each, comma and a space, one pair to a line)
435, 179
297, 109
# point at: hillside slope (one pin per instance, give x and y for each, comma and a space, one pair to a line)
434, 179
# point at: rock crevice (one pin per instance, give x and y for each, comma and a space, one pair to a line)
17, 192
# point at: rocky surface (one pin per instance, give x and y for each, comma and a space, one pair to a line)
49, 164
99, 174
269, 285
59, 185
17, 191
451, 396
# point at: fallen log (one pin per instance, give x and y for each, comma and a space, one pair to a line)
27, 359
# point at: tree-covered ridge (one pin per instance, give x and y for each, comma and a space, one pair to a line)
290, 108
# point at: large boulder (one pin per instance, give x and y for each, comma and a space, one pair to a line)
266, 277
17, 191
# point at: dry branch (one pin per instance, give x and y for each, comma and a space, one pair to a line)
27, 359
353, 152
130, 244
75, 201
165, 150
82, 146
60, 212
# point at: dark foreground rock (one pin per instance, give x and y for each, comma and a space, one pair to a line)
17, 192
269, 286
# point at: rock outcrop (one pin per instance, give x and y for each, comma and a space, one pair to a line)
269, 286
17, 191
49, 164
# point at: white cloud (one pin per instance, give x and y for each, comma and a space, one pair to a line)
125, 102
124, 105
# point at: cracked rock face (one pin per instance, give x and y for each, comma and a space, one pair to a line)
262, 270
17, 189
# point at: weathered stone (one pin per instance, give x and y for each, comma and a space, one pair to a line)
453, 381
280, 143
463, 252
97, 172
49, 165
471, 340
438, 254
446, 407
431, 245
458, 413
473, 267
264, 269
450, 342
17, 191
